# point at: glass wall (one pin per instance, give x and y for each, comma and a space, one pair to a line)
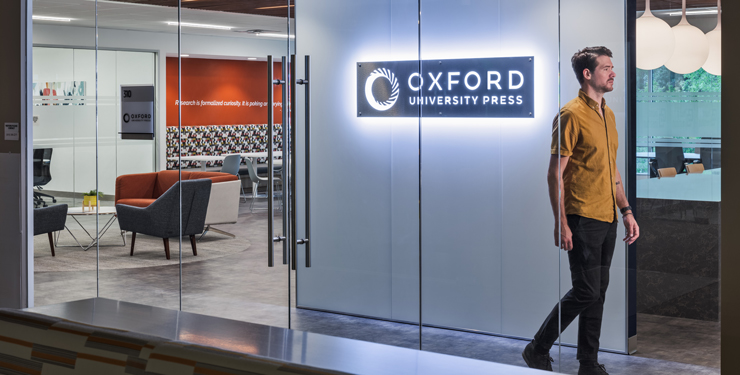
679, 144
64, 139
140, 280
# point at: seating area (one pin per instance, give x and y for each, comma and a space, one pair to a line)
149, 203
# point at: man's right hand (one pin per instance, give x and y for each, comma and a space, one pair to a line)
563, 237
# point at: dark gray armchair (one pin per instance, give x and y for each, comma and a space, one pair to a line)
160, 219
49, 219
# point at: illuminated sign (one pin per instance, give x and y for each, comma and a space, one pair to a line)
487, 87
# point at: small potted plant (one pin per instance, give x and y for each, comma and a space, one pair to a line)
90, 199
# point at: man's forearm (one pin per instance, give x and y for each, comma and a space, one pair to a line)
621, 196
555, 186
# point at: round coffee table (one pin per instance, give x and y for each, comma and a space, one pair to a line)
78, 211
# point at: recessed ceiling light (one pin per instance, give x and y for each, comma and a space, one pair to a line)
276, 7
46, 18
273, 35
200, 25
251, 58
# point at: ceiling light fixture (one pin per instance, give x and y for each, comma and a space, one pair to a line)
200, 25
655, 41
277, 7
47, 18
251, 58
691, 50
694, 12
273, 35
713, 65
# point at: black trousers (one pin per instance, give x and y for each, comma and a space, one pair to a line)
590, 259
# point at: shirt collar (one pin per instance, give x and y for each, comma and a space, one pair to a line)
590, 102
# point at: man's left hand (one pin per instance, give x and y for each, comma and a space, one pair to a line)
631, 229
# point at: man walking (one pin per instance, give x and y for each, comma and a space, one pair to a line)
583, 166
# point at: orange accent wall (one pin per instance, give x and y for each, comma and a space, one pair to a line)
225, 81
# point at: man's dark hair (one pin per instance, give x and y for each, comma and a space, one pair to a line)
586, 59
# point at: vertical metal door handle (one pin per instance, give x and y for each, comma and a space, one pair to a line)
287, 161
270, 177
307, 83
293, 236
307, 150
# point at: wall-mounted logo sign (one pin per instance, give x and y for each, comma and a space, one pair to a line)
488, 87
137, 112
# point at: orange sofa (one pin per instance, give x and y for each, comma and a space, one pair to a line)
142, 189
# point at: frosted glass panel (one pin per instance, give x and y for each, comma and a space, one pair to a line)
488, 259
364, 170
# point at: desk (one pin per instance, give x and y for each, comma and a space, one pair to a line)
705, 187
77, 211
651, 155
206, 158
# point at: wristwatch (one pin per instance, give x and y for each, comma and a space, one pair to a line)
623, 210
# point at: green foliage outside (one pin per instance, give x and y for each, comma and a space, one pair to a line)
666, 81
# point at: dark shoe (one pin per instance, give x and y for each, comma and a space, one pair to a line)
536, 360
592, 370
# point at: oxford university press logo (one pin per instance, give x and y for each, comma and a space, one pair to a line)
484, 87
392, 98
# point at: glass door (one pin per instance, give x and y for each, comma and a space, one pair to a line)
233, 128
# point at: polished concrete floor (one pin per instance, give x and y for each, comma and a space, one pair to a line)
242, 287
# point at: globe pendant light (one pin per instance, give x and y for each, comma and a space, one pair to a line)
714, 61
655, 40
692, 47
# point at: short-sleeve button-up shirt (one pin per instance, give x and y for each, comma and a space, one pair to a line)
591, 142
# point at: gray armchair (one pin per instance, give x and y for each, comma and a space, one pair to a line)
49, 219
160, 219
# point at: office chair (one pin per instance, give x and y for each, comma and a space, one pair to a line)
668, 157
666, 172
231, 166
694, 168
41, 175
256, 179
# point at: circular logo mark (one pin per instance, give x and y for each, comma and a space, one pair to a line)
126, 118
381, 73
